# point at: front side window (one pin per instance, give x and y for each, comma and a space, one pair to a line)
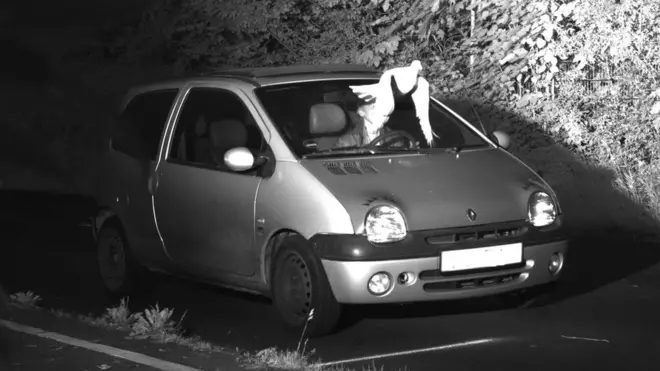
142, 122
212, 122
325, 118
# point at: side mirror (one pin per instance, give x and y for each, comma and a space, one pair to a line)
239, 159
502, 139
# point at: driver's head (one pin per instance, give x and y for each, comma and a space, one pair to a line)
373, 120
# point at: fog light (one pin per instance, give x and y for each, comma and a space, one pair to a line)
379, 283
556, 263
405, 278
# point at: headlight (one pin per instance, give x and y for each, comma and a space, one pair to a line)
385, 224
541, 210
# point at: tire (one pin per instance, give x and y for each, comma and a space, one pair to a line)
299, 284
4, 304
120, 272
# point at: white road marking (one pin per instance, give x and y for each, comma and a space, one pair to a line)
586, 339
115, 352
414, 351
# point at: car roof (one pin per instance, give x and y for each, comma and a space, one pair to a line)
264, 76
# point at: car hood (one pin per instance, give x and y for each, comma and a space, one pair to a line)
432, 190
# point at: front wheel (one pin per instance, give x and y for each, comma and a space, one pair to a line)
119, 271
299, 284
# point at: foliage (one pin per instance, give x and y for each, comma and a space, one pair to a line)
26, 299
615, 121
157, 324
520, 61
119, 316
273, 358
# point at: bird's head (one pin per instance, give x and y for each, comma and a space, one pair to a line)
417, 65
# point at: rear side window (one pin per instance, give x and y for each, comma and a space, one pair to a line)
142, 122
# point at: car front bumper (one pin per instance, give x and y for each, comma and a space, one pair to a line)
349, 279
351, 261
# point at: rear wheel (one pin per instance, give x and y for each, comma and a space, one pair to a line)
300, 285
4, 304
120, 272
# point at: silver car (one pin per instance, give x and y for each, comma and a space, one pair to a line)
236, 178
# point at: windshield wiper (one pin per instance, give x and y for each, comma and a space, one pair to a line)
359, 151
457, 149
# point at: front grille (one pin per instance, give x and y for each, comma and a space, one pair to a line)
472, 283
474, 234
430, 275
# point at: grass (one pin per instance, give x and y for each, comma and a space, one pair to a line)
298, 359
157, 324
153, 323
277, 359
25, 299
273, 358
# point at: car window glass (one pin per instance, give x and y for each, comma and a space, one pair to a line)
319, 116
212, 122
142, 122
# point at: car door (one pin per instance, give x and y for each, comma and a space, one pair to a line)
127, 167
204, 210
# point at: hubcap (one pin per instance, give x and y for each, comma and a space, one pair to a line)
112, 261
296, 287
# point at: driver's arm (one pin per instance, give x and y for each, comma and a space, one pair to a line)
350, 139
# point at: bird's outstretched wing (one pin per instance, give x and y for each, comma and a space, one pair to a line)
380, 95
420, 98
367, 93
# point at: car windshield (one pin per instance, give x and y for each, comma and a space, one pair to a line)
325, 118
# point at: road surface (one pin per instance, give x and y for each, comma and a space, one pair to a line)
22, 352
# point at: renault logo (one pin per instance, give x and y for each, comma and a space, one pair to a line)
471, 215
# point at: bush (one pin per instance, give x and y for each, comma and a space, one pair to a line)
528, 66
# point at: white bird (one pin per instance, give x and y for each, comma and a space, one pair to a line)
381, 96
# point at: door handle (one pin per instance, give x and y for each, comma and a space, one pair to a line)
153, 182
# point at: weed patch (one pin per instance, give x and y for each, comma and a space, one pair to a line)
157, 324
25, 299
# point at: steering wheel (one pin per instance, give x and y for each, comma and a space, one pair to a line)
391, 135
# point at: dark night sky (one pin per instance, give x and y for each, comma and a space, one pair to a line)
32, 32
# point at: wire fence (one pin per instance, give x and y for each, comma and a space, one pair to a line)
598, 79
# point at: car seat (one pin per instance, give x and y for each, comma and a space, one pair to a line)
326, 118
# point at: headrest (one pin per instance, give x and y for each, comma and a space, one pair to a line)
229, 133
326, 118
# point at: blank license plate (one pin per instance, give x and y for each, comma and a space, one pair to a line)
482, 257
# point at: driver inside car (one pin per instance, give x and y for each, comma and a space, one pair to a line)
368, 127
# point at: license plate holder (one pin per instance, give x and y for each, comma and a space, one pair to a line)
481, 257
